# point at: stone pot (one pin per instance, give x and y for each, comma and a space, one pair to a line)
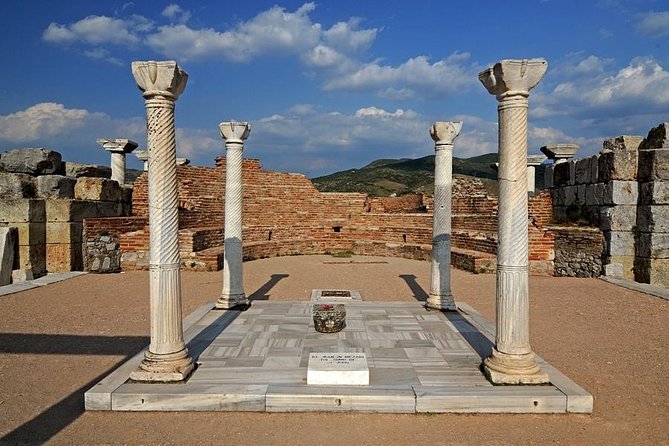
329, 318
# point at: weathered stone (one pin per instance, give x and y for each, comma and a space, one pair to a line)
621, 192
70, 210
64, 232
98, 189
624, 143
55, 186
654, 192
63, 257
653, 245
653, 218
106, 264
618, 165
8, 245
582, 171
654, 164
548, 176
625, 262
594, 194
569, 194
22, 210
109, 209
652, 271
658, 138
329, 318
95, 266
614, 270
30, 233
619, 243
562, 174
17, 185
594, 169
33, 258
33, 161
580, 194
77, 170
617, 218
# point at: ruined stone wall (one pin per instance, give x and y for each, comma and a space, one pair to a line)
578, 251
404, 204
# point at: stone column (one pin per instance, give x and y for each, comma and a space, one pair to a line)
143, 156
532, 162
167, 358
443, 134
232, 295
512, 360
118, 149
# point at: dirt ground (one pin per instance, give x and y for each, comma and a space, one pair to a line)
57, 341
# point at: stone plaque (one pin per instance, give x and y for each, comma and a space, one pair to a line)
338, 369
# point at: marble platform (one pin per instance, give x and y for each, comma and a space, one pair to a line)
419, 361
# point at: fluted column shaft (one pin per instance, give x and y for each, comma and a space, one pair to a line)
167, 358
512, 360
232, 294
440, 279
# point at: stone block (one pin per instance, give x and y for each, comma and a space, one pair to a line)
653, 164
652, 271
619, 243
109, 209
654, 192
548, 176
30, 233
617, 218
624, 262
55, 186
557, 197
63, 257
582, 171
594, 194
569, 194
126, 193
98, 189
64, 232
594, 169
621, 192
622, 143
17, 185
562, 174
657, 138
33, 161
22, 210
8, 245
653, 218
614, 270
580, 193
652, 245
78, 170
619, 165
70, 210
33, 258
559, 214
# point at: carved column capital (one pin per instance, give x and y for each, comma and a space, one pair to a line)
233, 131
508, 78
164, 78
117, 145
445, 132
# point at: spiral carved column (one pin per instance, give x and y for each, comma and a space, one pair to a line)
232, 294
443, 134
512, 360
167, 358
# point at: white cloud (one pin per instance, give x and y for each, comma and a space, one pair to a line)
198, 142
415, 77
96, 30
103, 54
345, 37
175, 13
654, 24
40, 120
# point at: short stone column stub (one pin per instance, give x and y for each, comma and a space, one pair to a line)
512, 360
443, 134
167, 358
232, 294
118, 149
143, 156
532, 162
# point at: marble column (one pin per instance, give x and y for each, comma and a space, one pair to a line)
532, 162
143, 156
512, 360
232, 295
167, 358
443, 134
118, 148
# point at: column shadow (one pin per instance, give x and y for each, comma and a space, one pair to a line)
261, 293
477, 340
418, 292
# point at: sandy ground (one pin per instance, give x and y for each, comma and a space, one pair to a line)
57, 341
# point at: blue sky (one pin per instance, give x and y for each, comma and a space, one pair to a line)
328, 85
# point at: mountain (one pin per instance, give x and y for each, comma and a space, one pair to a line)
384, 177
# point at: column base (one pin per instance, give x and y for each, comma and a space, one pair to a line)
443, 302
233, 301
502, 368
171, 367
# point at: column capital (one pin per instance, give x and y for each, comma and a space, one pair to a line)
560, 153
163, 78
142, 155
535, 160
513, 77
117, 145
233, 131
445, 132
